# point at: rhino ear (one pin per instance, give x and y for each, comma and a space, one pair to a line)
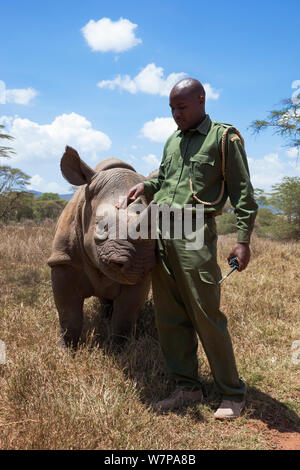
75, 170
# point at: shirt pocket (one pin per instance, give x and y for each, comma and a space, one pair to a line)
166, 164
203, 171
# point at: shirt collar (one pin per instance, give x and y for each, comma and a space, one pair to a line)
203, 127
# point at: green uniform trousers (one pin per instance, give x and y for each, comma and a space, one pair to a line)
187, 303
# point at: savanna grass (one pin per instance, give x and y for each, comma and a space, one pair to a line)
100, 398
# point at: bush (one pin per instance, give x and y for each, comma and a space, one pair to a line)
226, 223
283, 229
24, 205
264, 223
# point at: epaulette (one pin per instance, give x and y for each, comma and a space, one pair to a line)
236, 135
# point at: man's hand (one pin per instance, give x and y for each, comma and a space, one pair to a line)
132, 194
242, 252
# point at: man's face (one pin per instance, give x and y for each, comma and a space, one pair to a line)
187, 110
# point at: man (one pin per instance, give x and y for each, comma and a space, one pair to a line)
185, 282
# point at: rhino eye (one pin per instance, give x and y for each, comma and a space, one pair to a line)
101, 232
102, 229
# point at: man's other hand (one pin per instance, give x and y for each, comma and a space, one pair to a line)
132, 194
242, 252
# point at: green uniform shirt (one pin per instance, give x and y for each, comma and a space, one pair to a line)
197, 153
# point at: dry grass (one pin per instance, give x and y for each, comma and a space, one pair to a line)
98, 399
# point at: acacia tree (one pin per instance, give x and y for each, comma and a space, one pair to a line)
285, 197
5, 151
261, 197
284, 122
12, 187
12, 180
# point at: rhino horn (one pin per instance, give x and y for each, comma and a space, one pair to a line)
75, 170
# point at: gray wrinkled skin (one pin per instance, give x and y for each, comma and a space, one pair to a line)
83, 264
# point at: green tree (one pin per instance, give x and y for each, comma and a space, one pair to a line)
48, 209
226, 223
13, 183
23, 207
284, 122
48, 197
5, 151
265, 222
261, 197
285, 198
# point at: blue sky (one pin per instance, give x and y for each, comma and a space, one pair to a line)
96, 75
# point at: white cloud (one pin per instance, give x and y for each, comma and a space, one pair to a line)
296, 94
16, 95
106, 35
270, 170
296, 167
42, 141
130, 158
210, 93
293, 152
37, 183
159, 129
21, 95
151, 161
265, 171
150, 80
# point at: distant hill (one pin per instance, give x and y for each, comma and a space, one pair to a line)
66, 197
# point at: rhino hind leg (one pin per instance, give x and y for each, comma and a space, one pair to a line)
69, 298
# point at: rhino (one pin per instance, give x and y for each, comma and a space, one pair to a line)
84, 263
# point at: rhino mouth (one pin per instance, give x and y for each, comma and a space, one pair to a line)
124, 275
127, 267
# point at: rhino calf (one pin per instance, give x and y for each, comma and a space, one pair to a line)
84, 263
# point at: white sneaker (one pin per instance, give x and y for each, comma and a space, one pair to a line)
178, 399
229, 409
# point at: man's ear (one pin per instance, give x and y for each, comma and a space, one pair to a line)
75, 170
201, 99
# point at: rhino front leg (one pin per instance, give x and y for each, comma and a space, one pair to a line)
126, 309
69, 300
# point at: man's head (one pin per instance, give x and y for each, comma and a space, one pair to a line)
187, 103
